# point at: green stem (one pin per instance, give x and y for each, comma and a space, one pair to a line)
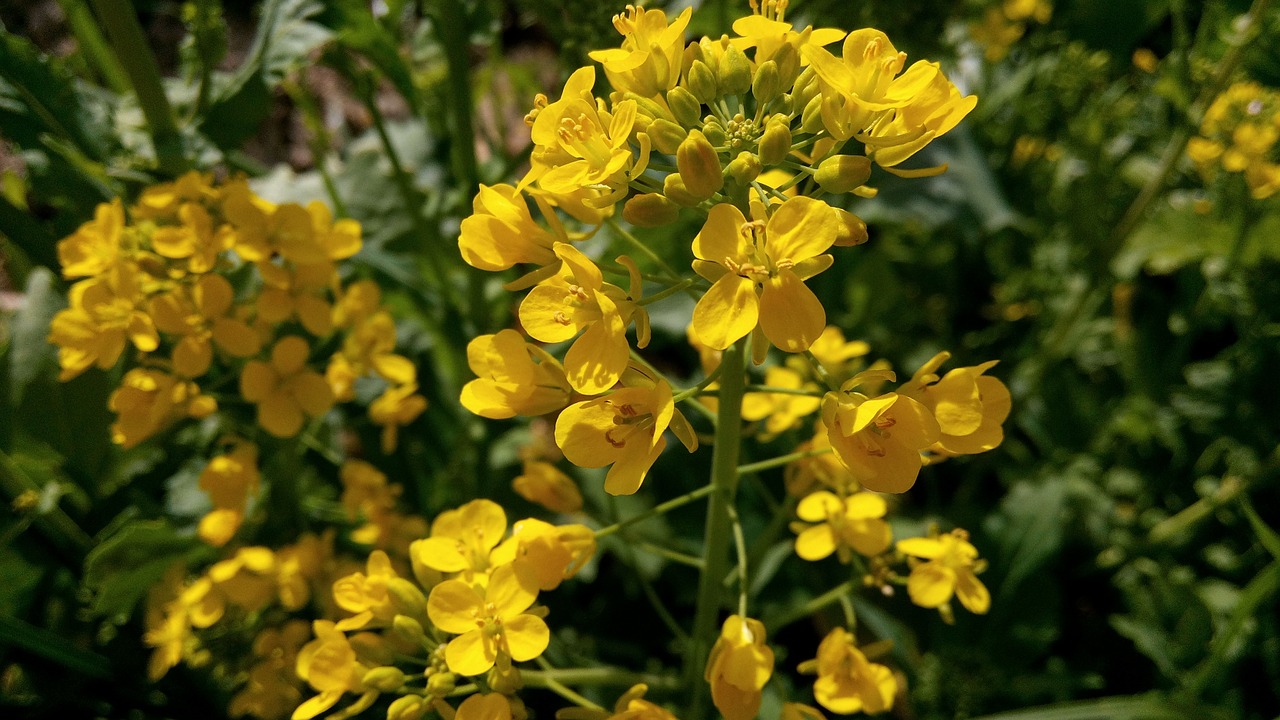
595, 676
318, 142
124, 32
756, 467
648, 252
715, 554
784, 391
831, 596
555, 686
656, 510
669, 554
740, 547
696, 389
678, 287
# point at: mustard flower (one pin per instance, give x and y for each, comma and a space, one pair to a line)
835, 353
96, 246
822, 468
330, 666
299, 291
501, 233
767, 30
396, 407
780, 411
490, 706
841, 525
879, 439
230, 480
488, 623
648, 63
950, 568
738, 668
285, 389
624, 430
577, 144
847, 682
105, 315
758, 269
271, 690
544, 484
200, 317
462, 539
515, 378
800, 711
970, 407
147, 401
578, 300
365, 593
543, 555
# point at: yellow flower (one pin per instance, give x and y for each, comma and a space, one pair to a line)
248, 578
365, 594
950, 569
199, 316
842, 524
544, 484
798, 711
487, 625
578, 300
623, 429
285, 390
879, 439
803, 474
847, 682
767, 30
835, 353
758, 270
864, 96
501, 233
738, 668
194, 239
396, 407
780, 411
633, 706
577, 144
229, 480
96, 246
105, 314
648, 63
462, 539
272, 690
968, 405
543, 554
147, 401
515, 378
164, 201
297, 291
330, 666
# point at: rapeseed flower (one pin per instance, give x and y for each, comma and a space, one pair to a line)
841, 525
488, 622
950, 568
738, 668
285, 390
515, 378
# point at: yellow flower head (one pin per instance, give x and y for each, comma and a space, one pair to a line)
969, 406
738, 668
106, 314
330, 665
147, 401
852, 523
648, 63
396, 407
272, 690
767, 30
493, 706
578, 300
230, 480
543, 554
950, 568
200, 316
462, 539
623, 429
285, 389
501, 233
577, 143
489, 622
835, 353
879, 439
299, 291
804, 474
632, 706
97, 246
365, 594
758, 269
515, 378
847, 682
544, 484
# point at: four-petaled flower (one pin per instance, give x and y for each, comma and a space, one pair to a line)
843, 524
489, 622
950, 568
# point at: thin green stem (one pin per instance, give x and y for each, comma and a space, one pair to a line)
596, 676
740, 547
656, 510
555, 686
678, 287
94, 46
715, 555
318, 142
696, 389
784, 391
646, 587
787, 459
814, 605
648, 252
133, 51
673, 555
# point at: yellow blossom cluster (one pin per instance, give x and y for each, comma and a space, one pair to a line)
1239, 134
1004, 22
198, 280
464, 602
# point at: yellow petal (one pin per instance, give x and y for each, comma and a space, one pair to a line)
791, 316
452, 606
816, 543
472, 653
726, 313
931, 584
527, 637
972, 593
799, 229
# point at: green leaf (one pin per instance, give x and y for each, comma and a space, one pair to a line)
286, 36
121, 569
31, 353
38, 96
52, 646
359, 31
1113, 708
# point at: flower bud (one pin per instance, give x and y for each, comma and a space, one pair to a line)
384, 679
685, 107
407, 599
735, 72
788, 61
850, 229
650, 210
647, 108
775, 143
666, 136
441, 683
409, 630
505, 680
842, 173
811, 118
674, 190
699, 166
714, 132
702, 83
767, 84
407, 707
744, 168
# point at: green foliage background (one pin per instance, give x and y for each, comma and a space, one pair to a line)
1127, 517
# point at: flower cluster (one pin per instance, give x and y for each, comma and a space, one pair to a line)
1239, 134
201, 282
463, 603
